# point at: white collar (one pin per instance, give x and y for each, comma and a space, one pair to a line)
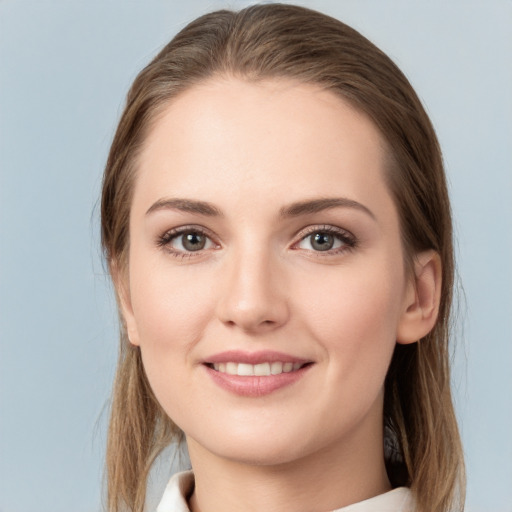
181, 484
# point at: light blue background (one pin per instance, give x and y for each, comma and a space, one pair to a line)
65, 67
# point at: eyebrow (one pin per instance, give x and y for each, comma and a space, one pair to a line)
319, 205
186, 205
292, 210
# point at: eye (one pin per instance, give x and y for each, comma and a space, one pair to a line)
190, 242
320, 242
327, 238
183, 241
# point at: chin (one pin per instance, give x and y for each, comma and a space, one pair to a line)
257, 447
261, 454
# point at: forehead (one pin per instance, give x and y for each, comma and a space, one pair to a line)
260, 137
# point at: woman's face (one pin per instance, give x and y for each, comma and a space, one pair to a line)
266, 283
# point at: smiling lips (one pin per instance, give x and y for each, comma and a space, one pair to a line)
255, 374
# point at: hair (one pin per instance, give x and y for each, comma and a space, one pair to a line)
276, 41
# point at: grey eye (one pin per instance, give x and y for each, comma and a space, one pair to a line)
193, 241
186, 241
322, 241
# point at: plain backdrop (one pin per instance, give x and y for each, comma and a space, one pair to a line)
65, 67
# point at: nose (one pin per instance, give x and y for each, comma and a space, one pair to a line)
253, 293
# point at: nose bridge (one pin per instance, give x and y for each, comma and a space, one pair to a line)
253, 295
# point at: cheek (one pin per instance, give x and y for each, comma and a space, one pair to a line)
354, 316
171, 306
171, 311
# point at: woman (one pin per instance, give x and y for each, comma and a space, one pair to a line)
277, 226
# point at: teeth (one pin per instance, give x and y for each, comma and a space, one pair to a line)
232, 368
261, 369
245, 369
276, 368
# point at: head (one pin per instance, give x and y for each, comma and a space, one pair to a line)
268, 44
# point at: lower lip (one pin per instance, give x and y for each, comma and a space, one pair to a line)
255, 386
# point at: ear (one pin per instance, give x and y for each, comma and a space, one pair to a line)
120, 278
422, 297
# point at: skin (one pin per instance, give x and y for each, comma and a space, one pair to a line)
250, 150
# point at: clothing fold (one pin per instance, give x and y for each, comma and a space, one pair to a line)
181, 485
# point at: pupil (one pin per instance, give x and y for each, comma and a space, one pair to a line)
194, 242
322, 241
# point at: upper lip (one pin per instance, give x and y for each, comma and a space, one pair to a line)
266, 356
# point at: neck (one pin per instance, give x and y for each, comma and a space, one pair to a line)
338, 475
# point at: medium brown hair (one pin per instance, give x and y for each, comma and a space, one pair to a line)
423, 448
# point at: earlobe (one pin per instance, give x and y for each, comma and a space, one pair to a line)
122, 286
422, 298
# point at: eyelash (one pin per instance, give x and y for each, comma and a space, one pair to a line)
348, 240
164, 241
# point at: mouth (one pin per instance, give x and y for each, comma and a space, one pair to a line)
255, 374
264, 369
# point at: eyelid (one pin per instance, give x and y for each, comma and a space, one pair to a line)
346, 236
166, 238
323, 228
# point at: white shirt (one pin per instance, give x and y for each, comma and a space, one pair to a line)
180, 485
